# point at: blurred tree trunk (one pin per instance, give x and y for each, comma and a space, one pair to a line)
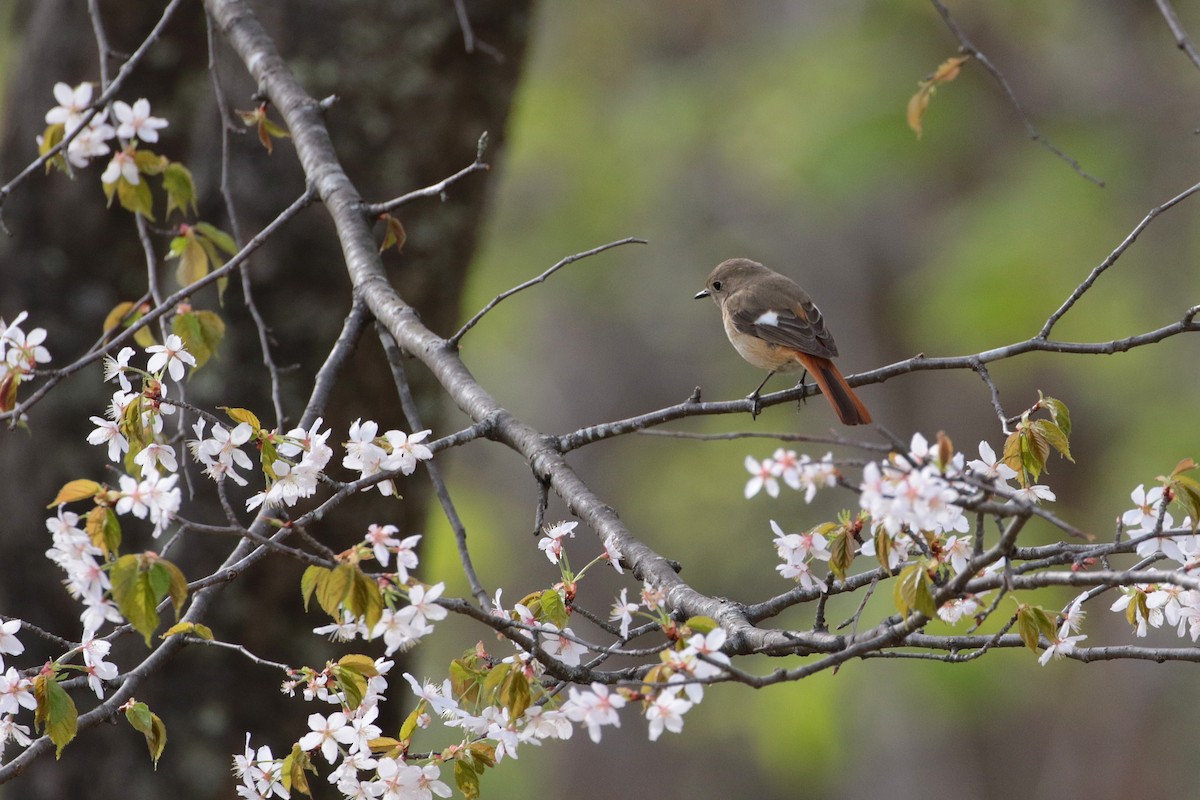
412, 104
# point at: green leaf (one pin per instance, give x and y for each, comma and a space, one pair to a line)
332, 591
148, 723
515, 693
126, 315
465, 681
364, 600
883, 546
193, 263
135, 197
212, 329
274, 130
351, 683
363, 665
914, 591
104, 529
553, 609
74, 491
410, 722
1059, 413
1187, 497
201, 332
313, 577
180, 188
841, 552
137, 590
1054, 436
493, 682
1032, 622
56, 713
467, 779
1137, 608
292, 771
701, 624
176, 583
191, 628
149, 163
240, 415
217, 236
51, 138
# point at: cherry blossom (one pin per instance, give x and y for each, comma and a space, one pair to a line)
72, 104
9, 643
136, 122
551, 542
666, 712
172, 355
762, 476
564, 647
1059, 647
623, 611
123, 166
595, 708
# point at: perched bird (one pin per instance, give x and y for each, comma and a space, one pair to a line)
775, 326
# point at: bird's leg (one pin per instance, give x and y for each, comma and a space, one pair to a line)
803, 397
755, 406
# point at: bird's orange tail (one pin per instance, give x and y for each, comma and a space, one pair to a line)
845, 402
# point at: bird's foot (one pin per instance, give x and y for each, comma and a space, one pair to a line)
755, 404
803, 395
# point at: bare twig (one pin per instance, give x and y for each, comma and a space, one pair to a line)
1181, 38
967, 47
168, 304
456, 338
434, 190
409, 406
1112, 258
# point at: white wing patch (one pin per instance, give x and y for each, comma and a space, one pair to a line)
768, 318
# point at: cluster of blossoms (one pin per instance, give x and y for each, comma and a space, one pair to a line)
916, 493
798, 471
910, 504
92, 139
20, 354
371, 454
292, 463
1157, 536
15, 692
798, 551
343, 737
400, 628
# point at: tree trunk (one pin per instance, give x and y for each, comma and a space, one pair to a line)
412, 104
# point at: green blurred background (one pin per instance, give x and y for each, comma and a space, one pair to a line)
776, 131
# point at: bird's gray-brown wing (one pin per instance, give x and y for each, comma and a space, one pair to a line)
806, 331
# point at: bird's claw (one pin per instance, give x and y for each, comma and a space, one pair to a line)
755, 405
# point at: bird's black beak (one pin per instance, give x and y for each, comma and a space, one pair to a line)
700, 294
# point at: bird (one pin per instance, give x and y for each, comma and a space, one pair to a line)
775, 326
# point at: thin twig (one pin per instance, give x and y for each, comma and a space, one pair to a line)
168, 304
454, 340
101, 41
965, 46
434, 190
1112, 258
241, 650
1181, 38
409, 406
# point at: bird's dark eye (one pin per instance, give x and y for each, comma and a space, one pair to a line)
716, 286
